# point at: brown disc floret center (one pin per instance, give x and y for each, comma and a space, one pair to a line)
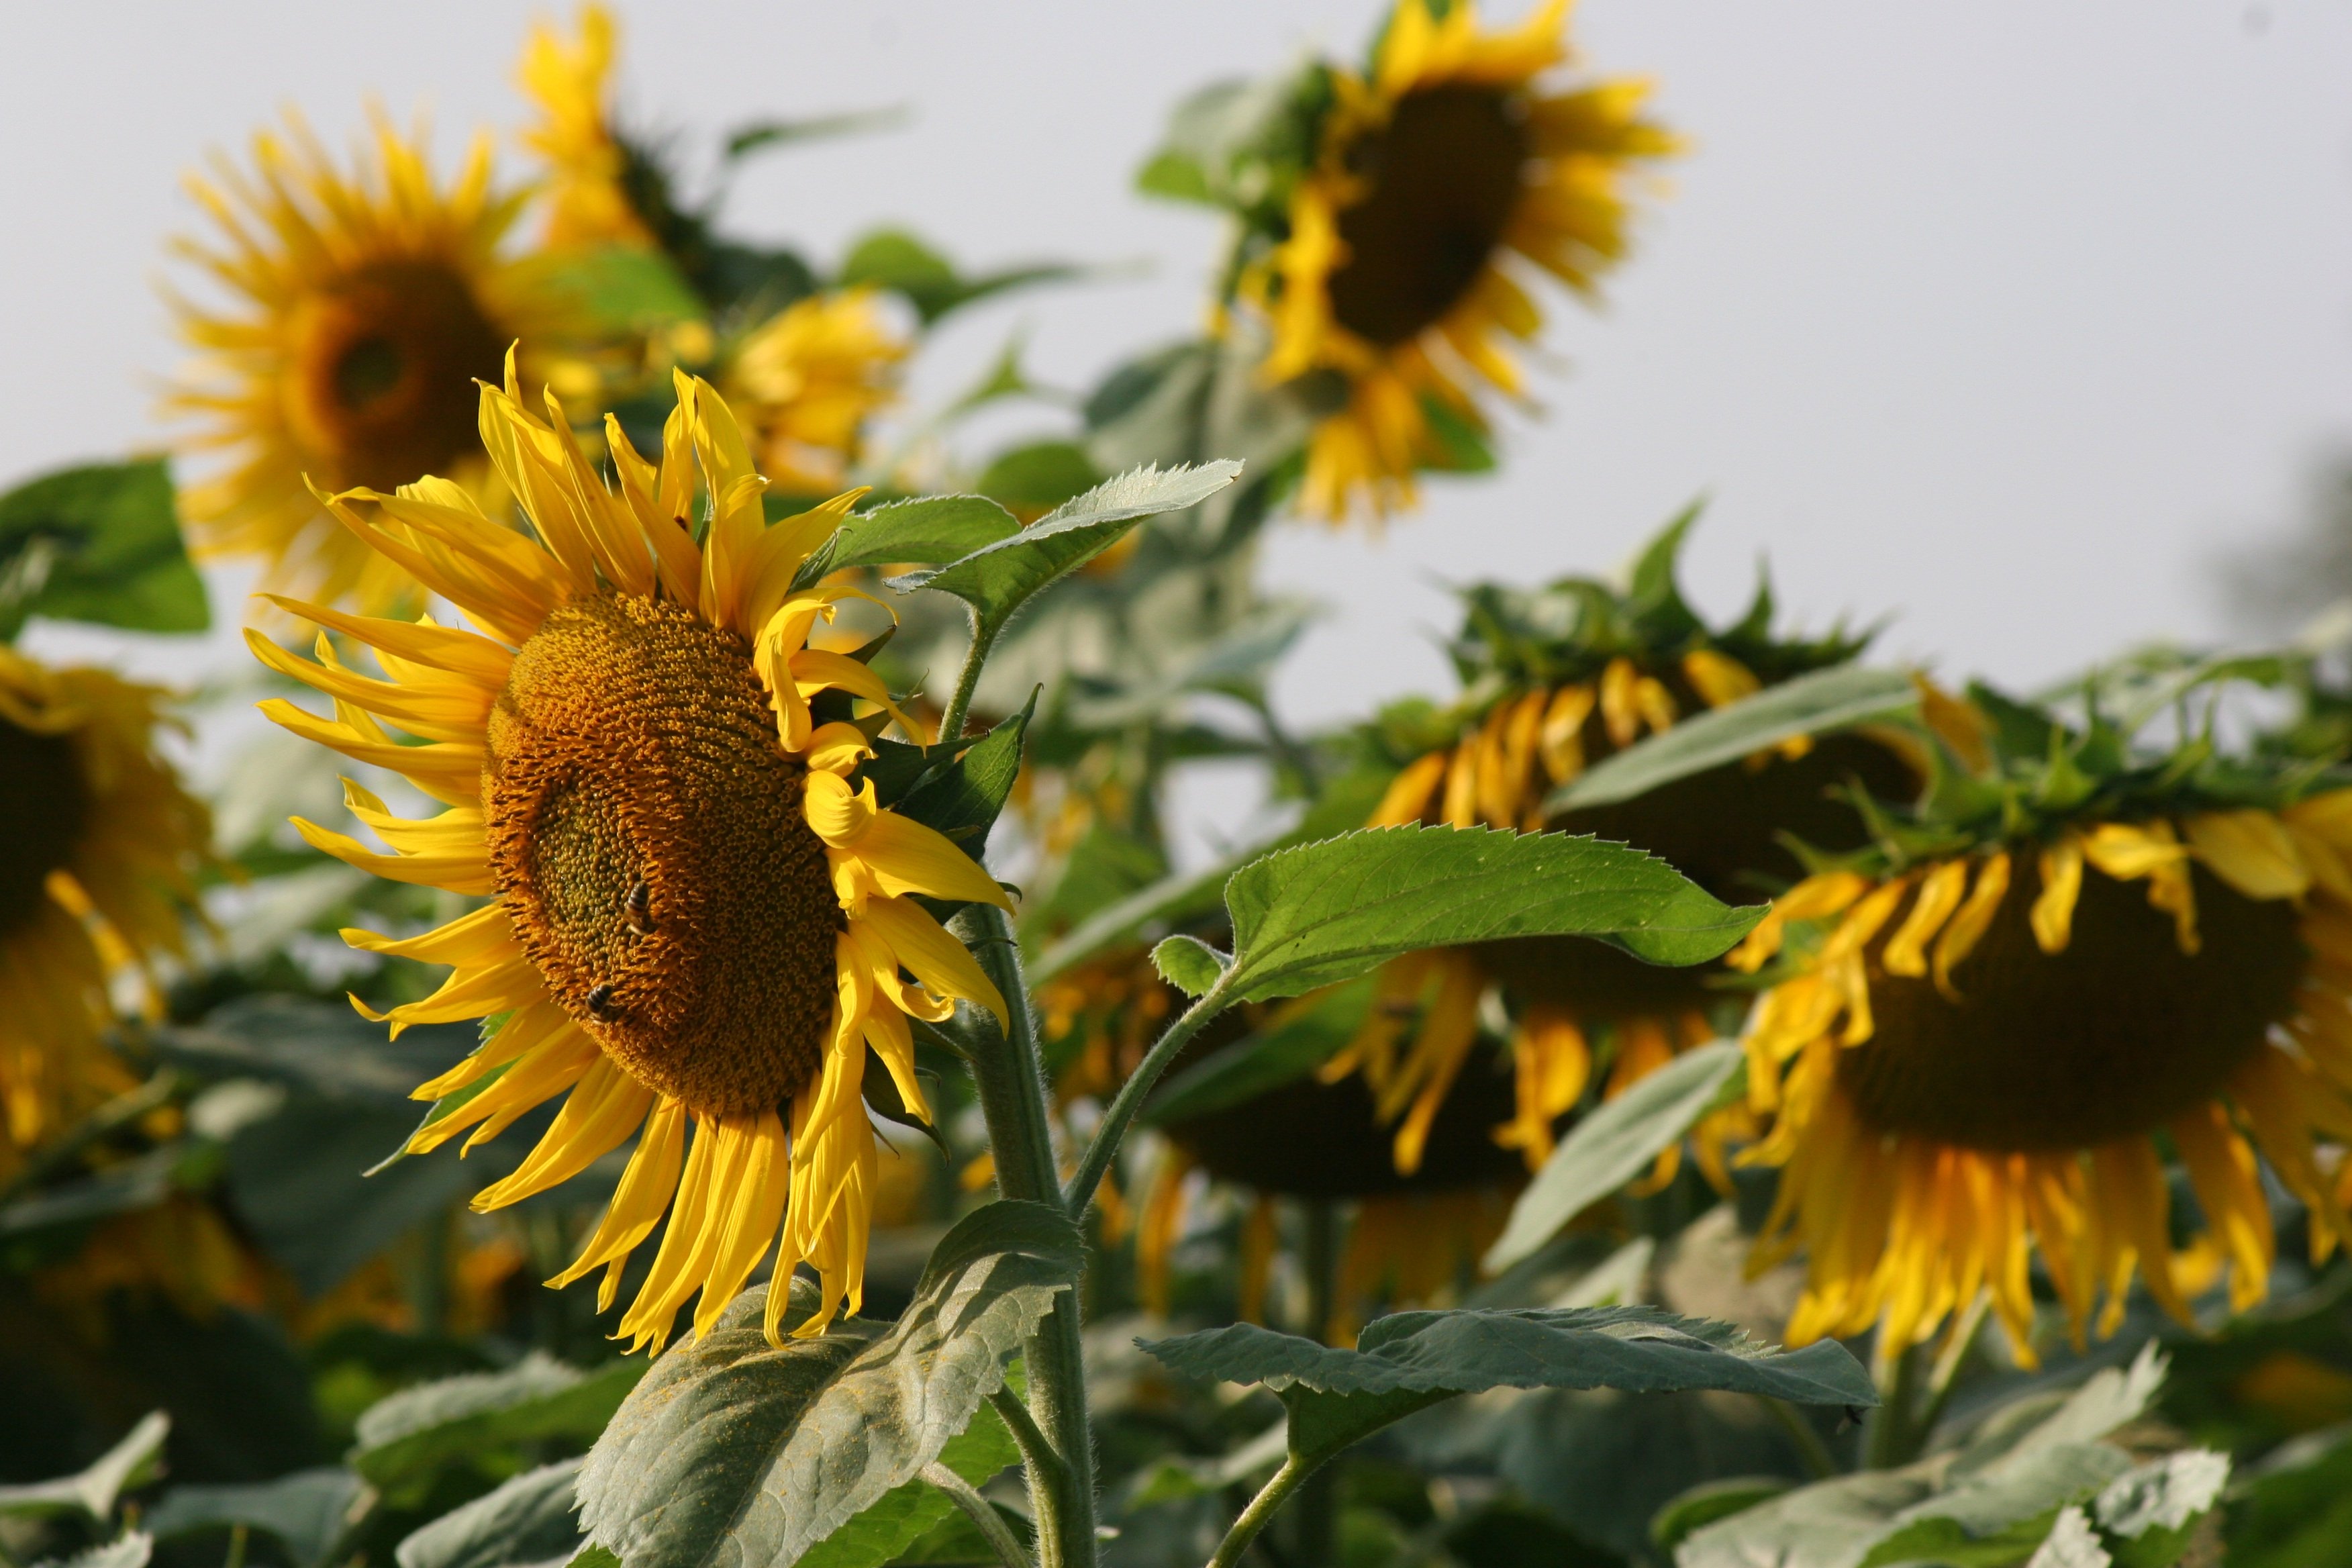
44, 806
1442, 180
646, 833
2110, 1039
385, 365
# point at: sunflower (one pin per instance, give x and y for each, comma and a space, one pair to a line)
99, 848
1395, 276
587, 166
698, 922
362, 308
806, 380
1559, 679
1983, 1047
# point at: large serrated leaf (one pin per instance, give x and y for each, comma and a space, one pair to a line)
530, 1519
908, 1512
403, 1441
734, 1451
98, 543
307, 1512
1813, 704
91, 1492
1610, 1146
924, 530
1328, 912
1408, 1361
998, 579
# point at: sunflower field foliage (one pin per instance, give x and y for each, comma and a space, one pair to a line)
1697, 1093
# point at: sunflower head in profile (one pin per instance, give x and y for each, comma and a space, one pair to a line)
99, 851
1441, 181
1556, 680
1985, 1030
699, 921
354, 313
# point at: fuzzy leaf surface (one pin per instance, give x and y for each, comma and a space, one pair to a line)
1328, 912
1833, 698
1610, 1146
405, 1440
998, 579
530, 1519
735, 1452
308, 1511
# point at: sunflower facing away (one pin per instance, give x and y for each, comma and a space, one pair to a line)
1438, 175
587, 194
1981, 1047
1559, 679
99, 851
359, 311
698, 924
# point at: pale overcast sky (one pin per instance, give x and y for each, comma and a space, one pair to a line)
2005, 317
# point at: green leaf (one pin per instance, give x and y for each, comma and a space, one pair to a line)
998, 579
1189, 964
308, 1511
2150, 1512
616, 288
1408, 1361
961, 794
133, 1549
1709, 1502
1284, 1051
2293, 1507
2071, 1543
98, 543
1831, 1524
908, 1514
895, 259
927, 529
530, 1519
1040, 476
1615, 1143
1331, 911
733, 1449
131, 1462
760, 135
405, 1440
1998, 1517
1833, 698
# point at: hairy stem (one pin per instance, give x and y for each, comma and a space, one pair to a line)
1129, 1101
977, 1509
958, 710
1012, 1085
1262, 1508
1035, 1452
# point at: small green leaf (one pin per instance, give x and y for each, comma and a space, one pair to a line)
1833, 698
961, 794
2071, 1543
1408, 1361
530, 1519
98, 543
925, 531
1189, 964
760, 135
999, 578
131, 1462
1285, 1050
896, 261
1612, 1145
308, 1511
404, 1440
734, 1449
1331, 911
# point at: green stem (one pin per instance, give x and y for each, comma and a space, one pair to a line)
1128, 1102
982, 1514
1288, 1479
1886, 1436
1011, 1086
951, 722
1819, 1462
1035, 1452
1947, 1373
1318, 1515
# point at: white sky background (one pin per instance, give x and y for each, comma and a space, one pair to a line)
2008, 318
